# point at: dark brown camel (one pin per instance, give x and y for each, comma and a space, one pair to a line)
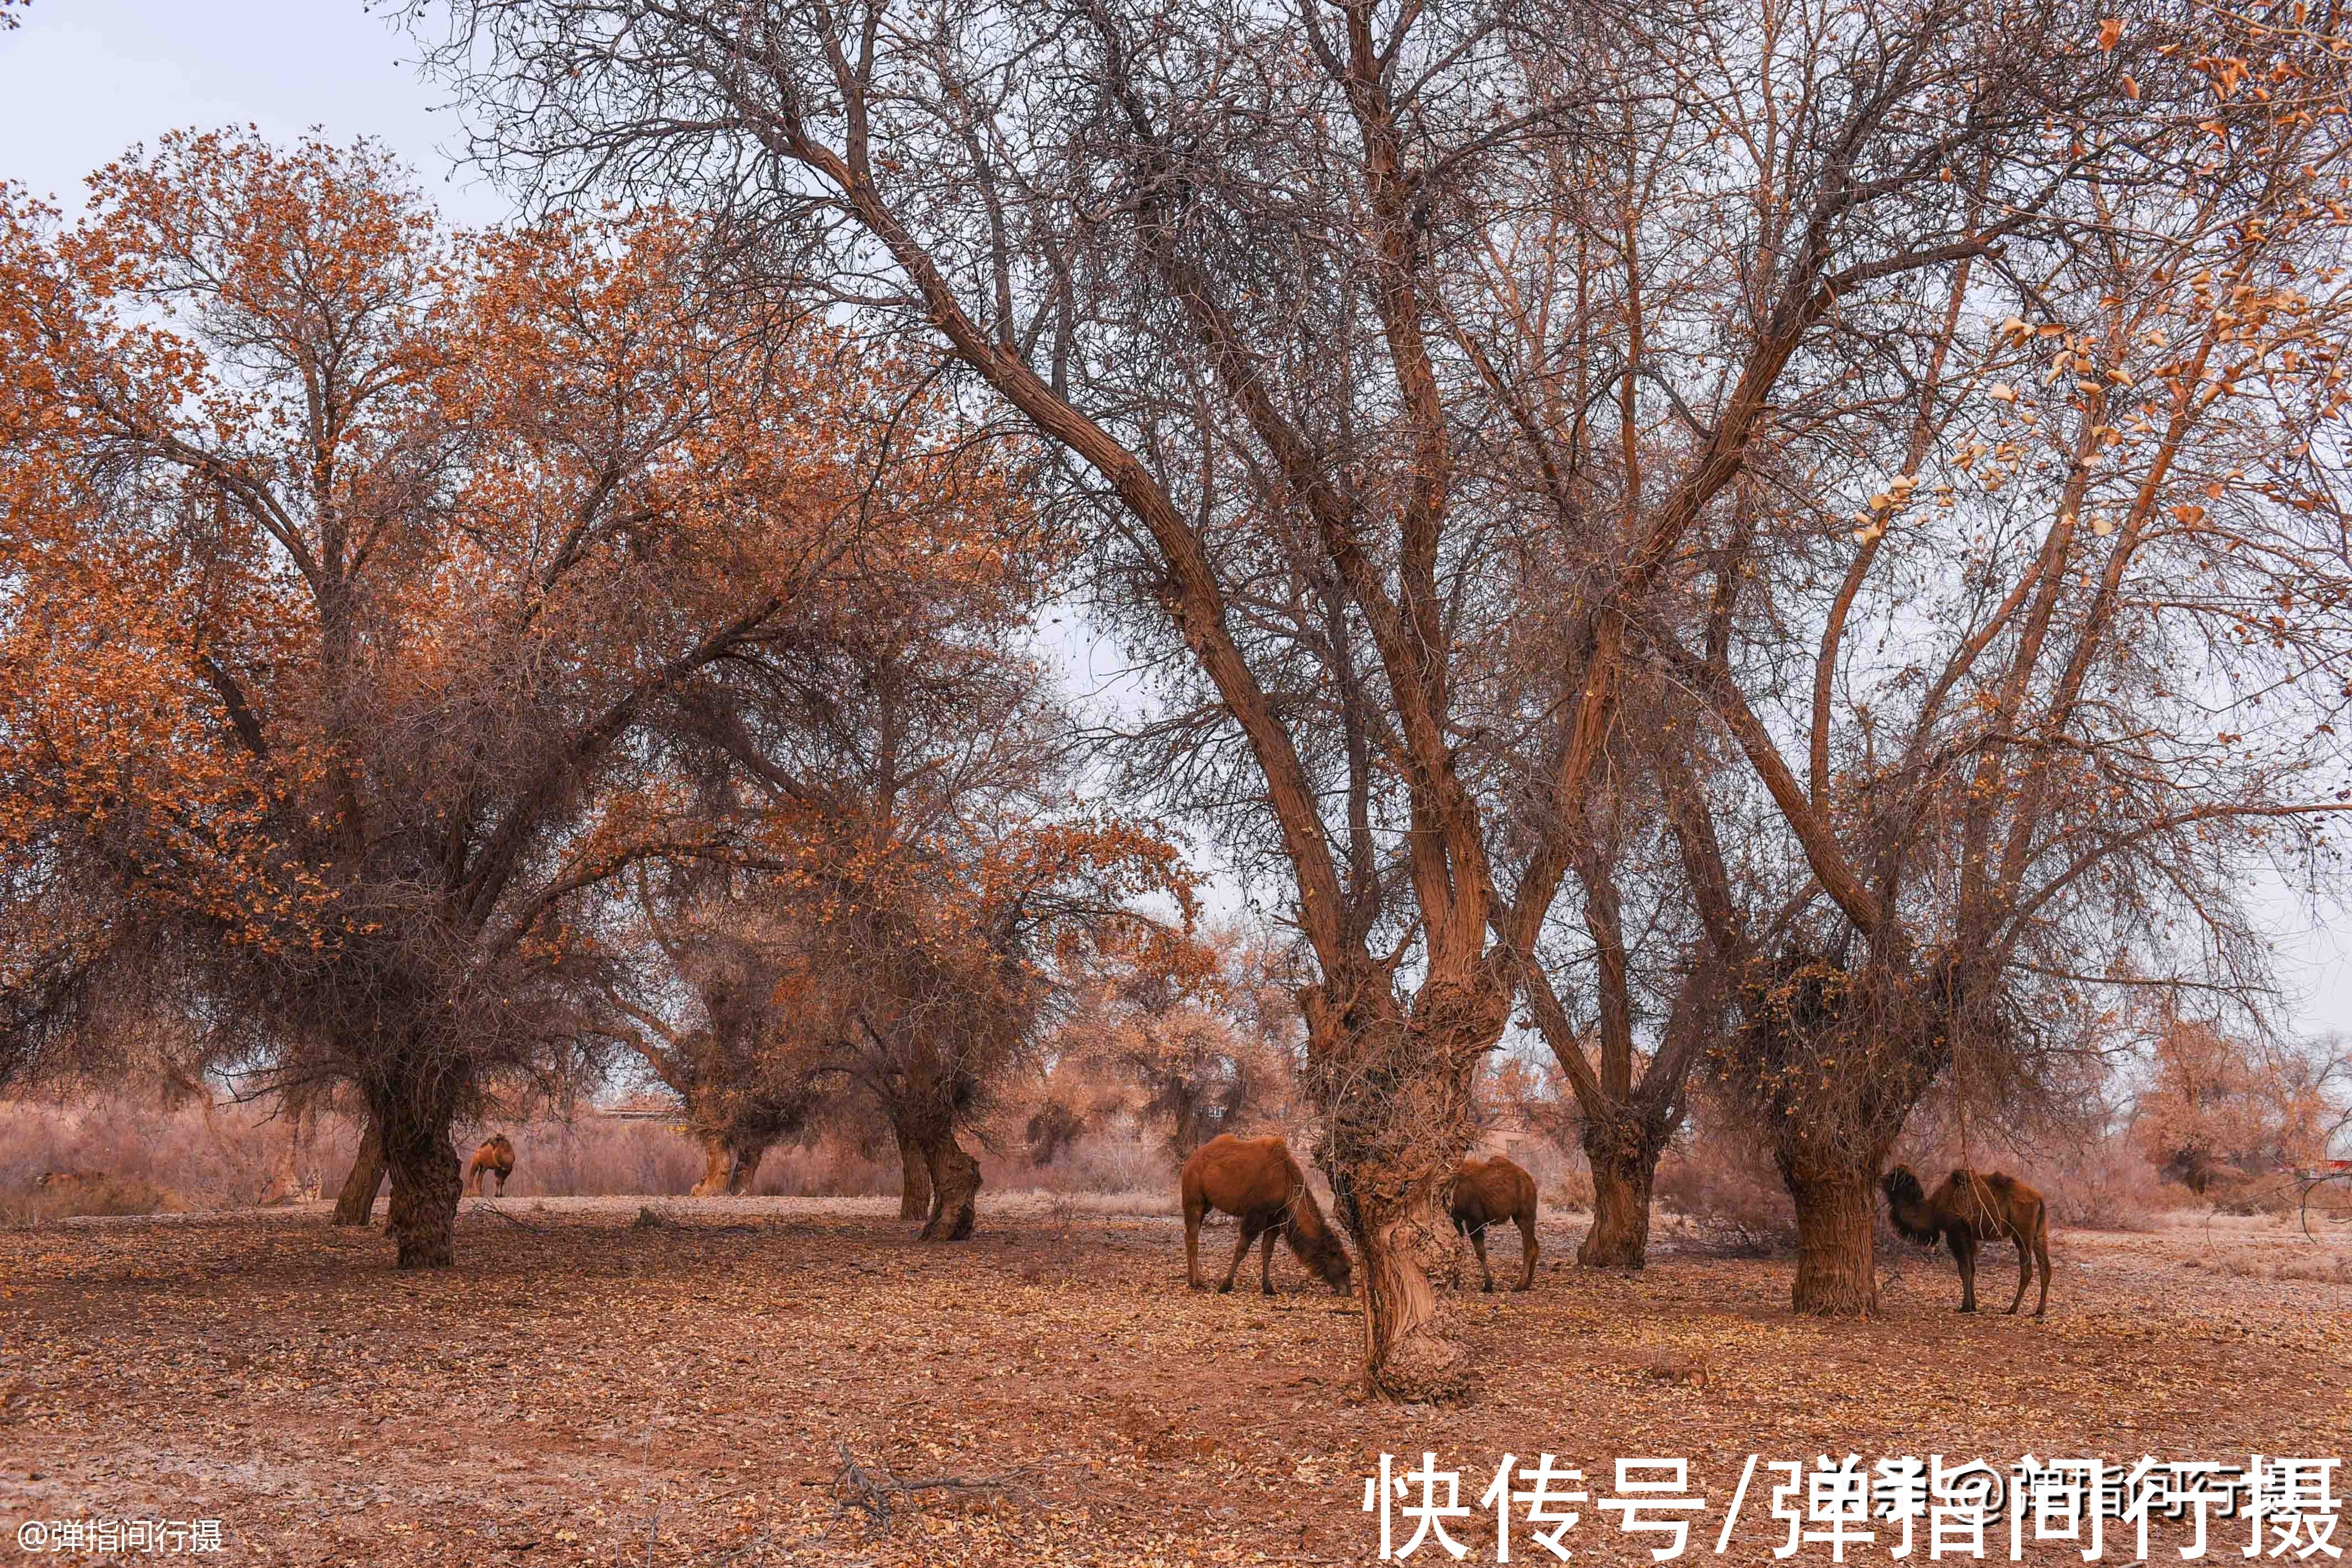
1489, 1192
1970, 1209
494, 1158
1256, 1181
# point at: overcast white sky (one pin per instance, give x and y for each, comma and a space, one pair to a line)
84, 80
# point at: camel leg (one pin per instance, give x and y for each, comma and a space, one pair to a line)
1265, 1260
2024, 1270
1527, 1247
2042, 1251
1478, 1245
1193, 1244
1964, 1251
1240, 1253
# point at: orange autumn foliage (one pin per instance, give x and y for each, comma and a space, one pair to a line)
366, 592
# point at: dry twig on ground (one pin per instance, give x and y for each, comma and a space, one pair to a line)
880, 1496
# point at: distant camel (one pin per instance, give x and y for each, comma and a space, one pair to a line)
1970, 1209
494, 1158
60, 1181
1488, 1192
1257, 1180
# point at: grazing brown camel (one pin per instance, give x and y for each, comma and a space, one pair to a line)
1970, 1209
1488, 1192
494, 1158
1255, 1180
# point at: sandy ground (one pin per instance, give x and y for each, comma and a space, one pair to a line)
585, 1388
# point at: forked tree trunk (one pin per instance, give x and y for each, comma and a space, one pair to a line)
356, 1204
1619, 1233
955, 1186
744, 1171
914, 1179
426, 1179
1837, 1228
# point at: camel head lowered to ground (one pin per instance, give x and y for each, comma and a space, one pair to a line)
1255, 1180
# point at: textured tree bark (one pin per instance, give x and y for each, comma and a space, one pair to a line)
426, 1180
728, 1171
1837, 1226
913, 1177
356, 1204
1395, 1093
1410, 1350
955, 1187
1619, 1233
716, 1162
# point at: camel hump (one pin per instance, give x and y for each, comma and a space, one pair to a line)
1271, 1148
1243, 1176
1271, 1141
1489, 1189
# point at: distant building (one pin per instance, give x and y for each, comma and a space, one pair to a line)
1509, 1135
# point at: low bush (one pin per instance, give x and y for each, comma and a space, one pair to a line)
1727, 1191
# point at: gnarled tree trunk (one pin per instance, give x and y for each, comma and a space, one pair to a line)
1400, 1226
1626, 1124
356, 1204
913, 1177
426, 1178
729, 1170
955, 1187
1834, 1062
716, 1163
1395, 1093
1624, 1170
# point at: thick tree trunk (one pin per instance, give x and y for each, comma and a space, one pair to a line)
356, 1205
716, 1163
1410, 1352
955, 1185
1837, 1226
726, 1171
1835, 1059
1619, 1233
1395, 1093
426, 1180
914, 1179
